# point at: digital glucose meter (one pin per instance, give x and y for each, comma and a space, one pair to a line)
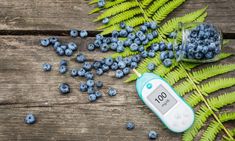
161, 98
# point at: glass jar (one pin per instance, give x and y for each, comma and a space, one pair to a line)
201, 42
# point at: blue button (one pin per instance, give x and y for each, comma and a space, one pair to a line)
149, 85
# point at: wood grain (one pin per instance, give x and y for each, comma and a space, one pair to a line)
25, 88
64, 14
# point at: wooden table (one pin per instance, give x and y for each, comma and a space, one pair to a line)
25, 88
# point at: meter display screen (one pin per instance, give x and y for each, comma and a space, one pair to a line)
162, 99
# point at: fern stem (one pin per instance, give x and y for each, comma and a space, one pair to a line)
206, 103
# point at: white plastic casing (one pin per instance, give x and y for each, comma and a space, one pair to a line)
180, 117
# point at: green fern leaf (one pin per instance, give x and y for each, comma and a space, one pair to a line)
203, 113
117, 9
215, 127
166, 9
154, 6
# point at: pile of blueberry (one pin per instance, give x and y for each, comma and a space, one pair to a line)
203, 42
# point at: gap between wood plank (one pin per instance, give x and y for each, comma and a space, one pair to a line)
66, 33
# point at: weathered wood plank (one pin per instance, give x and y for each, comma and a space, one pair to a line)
24, 88
63, 14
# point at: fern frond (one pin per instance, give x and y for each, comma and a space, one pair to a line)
166, 9
154, 6
211, 71
93, 2
120, 18
203, 113
217, 84
184, 87
214, 128
117, 9
131, 22
107, 5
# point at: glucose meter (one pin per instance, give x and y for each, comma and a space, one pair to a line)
162, 99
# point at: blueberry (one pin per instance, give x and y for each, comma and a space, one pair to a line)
30, 119
89, 75
99, 37
122, 25
134, 65
104, 47
72, 46
92, 97
143, 28
134, 47
98, 94
162, 46
129, 29
169, 46
139, 33
126, 70
130, 125
120, 43
151, 66
83, 87
105, 20
155, 47
56, 45
68, 52
152, 135
115, 34
107, 40
96, 64
134, 59
217, 50
127, 60
142, 37
119, 58
53, 40
90, 90
137, 58
167, 62
155, 34
63, 69
145, 42
113, 46
73, 33
60, 51
172, 34
151, 53
99, 71
119, 74
171, 54
64, 47
101, 3
153, 25
114, 66
91, 47
144, 54
131, 36
164, 55
105, 67
147, 24
137, 41
45, 42
141, 48
97, 43
63, 63
198, 55
99, 84
46, 67
128, 42
87, 66
120, 49
64, 88
90, 83
74, 72
109, 61
81, 72
150, 36
112, 91
121, 64
209, 55
83, 33
123, 33
114, 39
